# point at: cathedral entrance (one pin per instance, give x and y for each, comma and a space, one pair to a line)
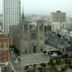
34, 49
34, 46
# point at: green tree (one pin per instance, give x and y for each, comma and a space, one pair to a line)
51, 62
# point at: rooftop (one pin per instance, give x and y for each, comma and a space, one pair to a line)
31, 59
51, 48
55, 40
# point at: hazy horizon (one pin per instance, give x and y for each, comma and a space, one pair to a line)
43, 7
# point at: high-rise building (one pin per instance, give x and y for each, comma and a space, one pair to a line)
58, 21
11, 14
58, 16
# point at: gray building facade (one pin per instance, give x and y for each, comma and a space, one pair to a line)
11, 14
30, 38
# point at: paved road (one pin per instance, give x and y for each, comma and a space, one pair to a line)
68, 70
12, 62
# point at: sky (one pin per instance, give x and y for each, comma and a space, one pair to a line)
44, 7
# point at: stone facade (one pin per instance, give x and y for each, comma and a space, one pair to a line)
30, 38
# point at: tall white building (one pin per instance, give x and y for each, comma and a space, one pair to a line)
11, 14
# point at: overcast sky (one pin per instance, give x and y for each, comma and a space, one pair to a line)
44, 7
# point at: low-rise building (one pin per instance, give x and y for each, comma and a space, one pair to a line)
4, 51
58, 42
12, 33
4, 47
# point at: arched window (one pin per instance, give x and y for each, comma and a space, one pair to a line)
41, 28
33, 36
25, 28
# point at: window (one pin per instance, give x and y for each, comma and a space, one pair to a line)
33, 36
41, 28
1, 45
25, 28
25, 51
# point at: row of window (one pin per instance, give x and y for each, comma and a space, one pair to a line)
25, 28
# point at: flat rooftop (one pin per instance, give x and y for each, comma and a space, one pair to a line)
51, 48
31, 59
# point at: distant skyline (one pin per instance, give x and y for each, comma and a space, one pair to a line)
43, 7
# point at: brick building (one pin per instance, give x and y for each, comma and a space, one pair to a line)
4, 45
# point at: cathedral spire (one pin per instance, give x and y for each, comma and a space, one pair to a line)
23, 13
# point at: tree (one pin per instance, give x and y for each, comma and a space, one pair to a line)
44, 52
43, 64
63, 69
65, 56
58, 62
51, 62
